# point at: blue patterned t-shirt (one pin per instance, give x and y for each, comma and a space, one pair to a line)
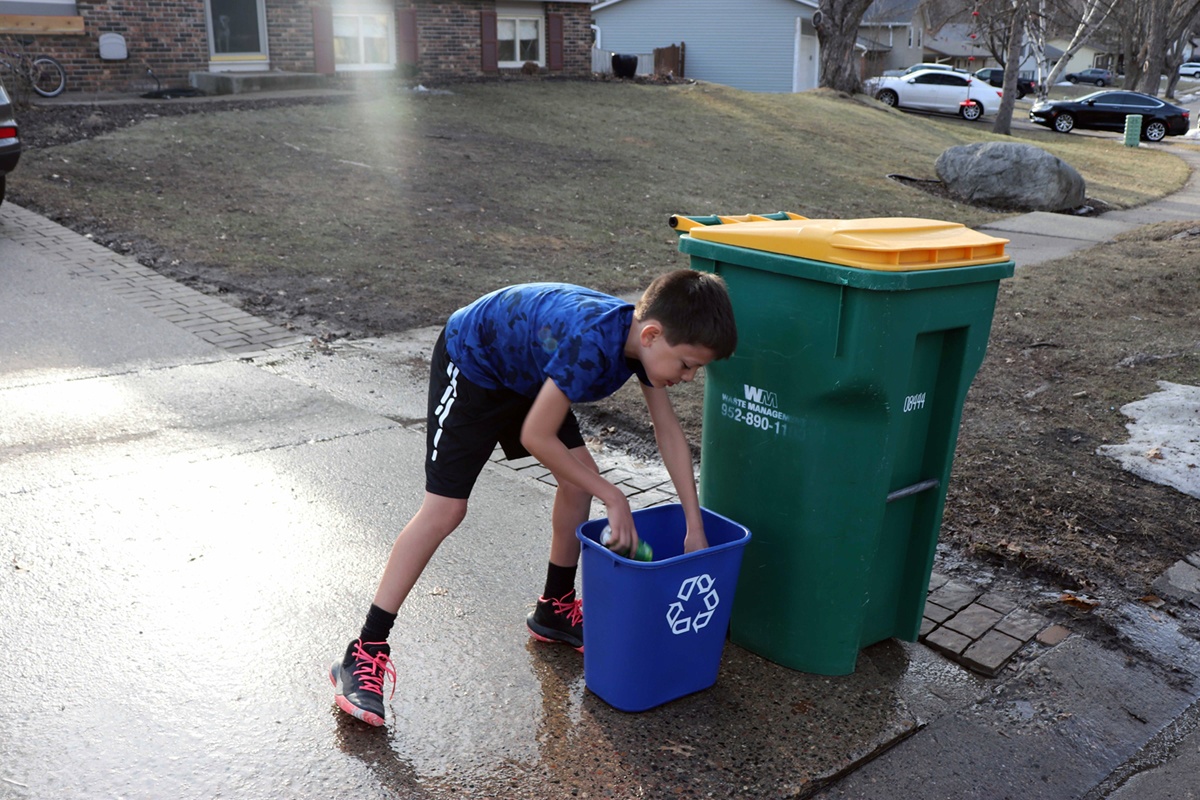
519, 336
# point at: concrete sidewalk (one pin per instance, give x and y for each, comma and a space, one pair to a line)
1043, 236
196, 506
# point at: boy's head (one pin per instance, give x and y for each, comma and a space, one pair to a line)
693, 308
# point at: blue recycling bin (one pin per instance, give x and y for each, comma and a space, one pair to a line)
655, 631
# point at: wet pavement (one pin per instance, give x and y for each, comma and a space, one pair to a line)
193, 519
189, 539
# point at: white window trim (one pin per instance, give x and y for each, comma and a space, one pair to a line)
526, 17
390, 37
239, 62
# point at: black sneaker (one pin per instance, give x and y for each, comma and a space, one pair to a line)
558, 620
358, 680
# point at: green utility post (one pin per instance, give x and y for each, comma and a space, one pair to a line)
1133, 130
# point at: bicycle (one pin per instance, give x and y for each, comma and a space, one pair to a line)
42, 73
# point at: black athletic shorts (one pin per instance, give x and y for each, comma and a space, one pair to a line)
466, 421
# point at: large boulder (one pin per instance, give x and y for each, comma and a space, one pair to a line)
1011, 175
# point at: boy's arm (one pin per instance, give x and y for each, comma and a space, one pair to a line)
539, 435
677, 457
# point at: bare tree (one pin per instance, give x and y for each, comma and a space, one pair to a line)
1090, 14
1166, 23
1012, 59
1124, 34
1173, 60
1150, 58
837, 24
999, 25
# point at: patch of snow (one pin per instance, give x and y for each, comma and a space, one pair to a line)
1164, 438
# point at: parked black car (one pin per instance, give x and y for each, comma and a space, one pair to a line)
1100, 77
1106, 111
10, 142
995, 76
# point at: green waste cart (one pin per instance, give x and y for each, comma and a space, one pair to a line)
830, 432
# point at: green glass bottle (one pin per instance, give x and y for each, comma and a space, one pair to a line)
644, 551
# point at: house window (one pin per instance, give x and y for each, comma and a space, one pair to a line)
57, 8
33, 17
520, 39
362, 41
237, 27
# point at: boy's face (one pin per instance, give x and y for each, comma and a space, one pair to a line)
667, 364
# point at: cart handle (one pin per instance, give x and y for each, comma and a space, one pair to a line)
916, 488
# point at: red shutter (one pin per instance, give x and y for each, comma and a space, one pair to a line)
554, 41
406, 35
489, 45
323, 62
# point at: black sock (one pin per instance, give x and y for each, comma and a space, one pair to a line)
560, 581
378, 625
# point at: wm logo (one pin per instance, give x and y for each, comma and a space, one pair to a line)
760, 396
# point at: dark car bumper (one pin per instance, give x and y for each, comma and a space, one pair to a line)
1041, 116
8, 162
9, 159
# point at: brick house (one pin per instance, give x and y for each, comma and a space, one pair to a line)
181, 40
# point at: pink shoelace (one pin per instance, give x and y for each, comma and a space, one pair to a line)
371, 670
573, 609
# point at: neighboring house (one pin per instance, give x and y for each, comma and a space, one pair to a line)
912, 37
959, 45
898, 26
1085, 57
757, 45
928, 31
430, 39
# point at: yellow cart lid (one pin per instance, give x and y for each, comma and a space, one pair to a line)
882, 243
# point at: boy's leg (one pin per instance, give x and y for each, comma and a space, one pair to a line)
358, 678
459, 440
437, 518
572, 506
558, 616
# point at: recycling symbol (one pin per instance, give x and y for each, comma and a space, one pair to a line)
693, 593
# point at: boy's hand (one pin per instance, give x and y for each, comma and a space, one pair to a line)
620, 521
695, 540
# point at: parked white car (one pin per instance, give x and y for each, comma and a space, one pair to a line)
926, 65
1190, 70
940, 90
930, 65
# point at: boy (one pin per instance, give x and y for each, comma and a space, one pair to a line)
506, 370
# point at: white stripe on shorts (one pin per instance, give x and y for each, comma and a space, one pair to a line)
443, 409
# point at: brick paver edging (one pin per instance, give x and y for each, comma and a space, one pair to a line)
980, 630
219, 323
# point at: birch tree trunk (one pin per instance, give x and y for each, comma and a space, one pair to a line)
1092, 14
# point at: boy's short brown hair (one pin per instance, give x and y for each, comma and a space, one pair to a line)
693, 308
